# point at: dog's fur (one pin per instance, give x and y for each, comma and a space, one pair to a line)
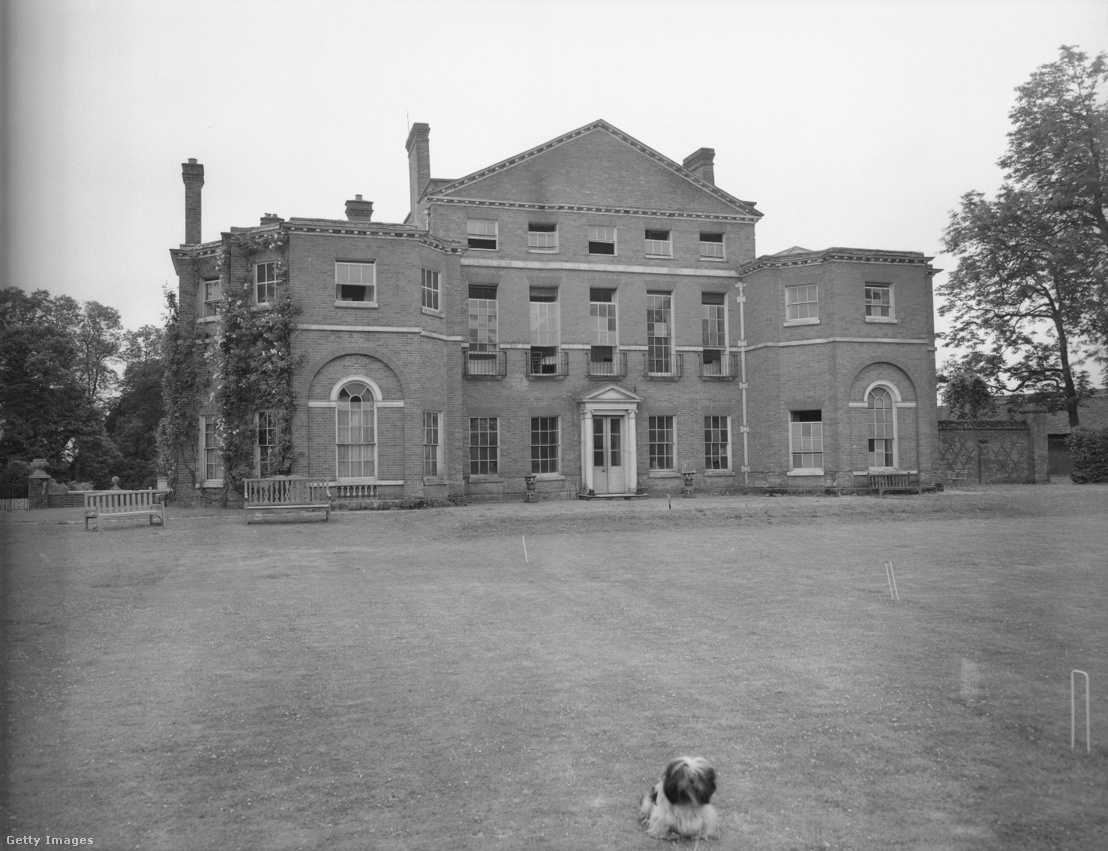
677, 807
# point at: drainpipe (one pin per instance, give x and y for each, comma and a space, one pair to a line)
744, 429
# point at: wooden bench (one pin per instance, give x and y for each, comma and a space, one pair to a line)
893, 483
286, 493
120, 503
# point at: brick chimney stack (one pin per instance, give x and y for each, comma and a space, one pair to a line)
271, 219
359, 210
192, 173
702, 164
419, 162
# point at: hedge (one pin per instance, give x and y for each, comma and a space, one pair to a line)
1089, 451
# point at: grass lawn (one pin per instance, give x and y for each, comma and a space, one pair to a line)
406, 680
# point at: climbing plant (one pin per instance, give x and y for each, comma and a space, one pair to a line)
253, 369
182, 385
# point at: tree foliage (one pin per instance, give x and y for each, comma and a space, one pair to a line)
967, 395
58, 383
1027, 298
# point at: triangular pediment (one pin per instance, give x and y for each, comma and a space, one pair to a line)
596, 167
611, 394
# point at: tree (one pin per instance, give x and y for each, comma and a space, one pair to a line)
43, 405
134, 415
1059, 143
966, 394
1027, 299
99, 336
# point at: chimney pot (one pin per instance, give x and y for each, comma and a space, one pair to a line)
271, 219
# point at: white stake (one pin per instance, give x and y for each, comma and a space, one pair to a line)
525, 559
891, 576
1073, 710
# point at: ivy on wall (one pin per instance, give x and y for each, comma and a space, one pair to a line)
254, 362
182, 385
246, 368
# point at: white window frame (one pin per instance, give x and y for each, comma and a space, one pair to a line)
272, 423
430, 290
483, 230
270, 284
603, 235
893, 398
709, 339
727, 424
542, 241
797, 438
651, 430
211, 304
205, 481
432, 445
713, 250
889, 317
557, 446
652, 325
794, 317
493, 462
659, 248
370, 286
371, 390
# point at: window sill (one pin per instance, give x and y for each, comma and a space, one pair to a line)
201, 320
356, 304
714, 259
548, 477
882, 320
806, 471
210, 483
265, 305
543, 251
431, 312
658, 256
663, 474
791, 322
486, 479
710, 474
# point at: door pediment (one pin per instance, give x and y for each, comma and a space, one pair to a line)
609, 395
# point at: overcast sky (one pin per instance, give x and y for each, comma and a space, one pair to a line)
850, 123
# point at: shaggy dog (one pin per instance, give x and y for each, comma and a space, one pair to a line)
677, 807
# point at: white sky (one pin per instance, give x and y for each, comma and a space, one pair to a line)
849, 122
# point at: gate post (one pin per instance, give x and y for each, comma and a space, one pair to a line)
1038, 448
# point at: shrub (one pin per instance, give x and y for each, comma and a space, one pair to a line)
13, 480
1089, 451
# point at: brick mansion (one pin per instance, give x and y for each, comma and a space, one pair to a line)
590, 313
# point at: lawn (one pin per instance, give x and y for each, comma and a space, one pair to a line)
408, 680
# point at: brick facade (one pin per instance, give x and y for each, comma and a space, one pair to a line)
613, 220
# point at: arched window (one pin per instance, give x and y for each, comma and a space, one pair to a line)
882, 428
356, 432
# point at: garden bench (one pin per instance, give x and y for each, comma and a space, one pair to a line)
893, 483
286, 493
120, 503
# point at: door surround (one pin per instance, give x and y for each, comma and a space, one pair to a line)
610, 401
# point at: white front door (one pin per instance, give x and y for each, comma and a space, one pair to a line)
607, 455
